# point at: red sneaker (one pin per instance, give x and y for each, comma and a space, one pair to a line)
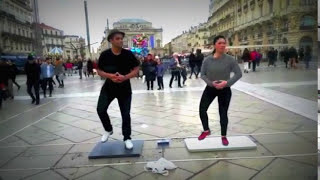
225, 141
203, 135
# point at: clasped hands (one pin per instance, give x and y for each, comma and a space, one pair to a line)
219, 84
118, 78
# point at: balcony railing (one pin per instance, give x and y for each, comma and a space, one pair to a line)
307, 27
16, 37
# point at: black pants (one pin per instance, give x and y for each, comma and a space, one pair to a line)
184, 77
150, 83
14, 81
199, 70
80, 73
224, 97
45, 83
35, 85
1, 96
192, 71
175, 74
160, 82
124, 101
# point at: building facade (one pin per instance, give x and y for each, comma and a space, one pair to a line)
258, 23
51, 38
133, 27
74, 47
16, 32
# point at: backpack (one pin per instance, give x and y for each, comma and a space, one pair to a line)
257, 57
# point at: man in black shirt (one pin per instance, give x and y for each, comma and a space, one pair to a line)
33, 71
118, 66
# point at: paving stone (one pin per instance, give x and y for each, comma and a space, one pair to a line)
50, 175
13, 141
73, 173
194, 166
76, 134
177, 174
257, 164
51, 126
286, 144
154, 130
7, 154
34, 135
284, 169
104, 173
13, 175
225, 170
25, 162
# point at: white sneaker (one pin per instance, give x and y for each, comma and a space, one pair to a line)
128, 144
105, 136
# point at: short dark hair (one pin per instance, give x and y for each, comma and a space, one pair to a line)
217, 38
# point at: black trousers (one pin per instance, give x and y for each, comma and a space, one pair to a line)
80, 73
224, 97
124, 101
192, 71
35, 85
175, 74
45, 83
199, 69
150, 83
254, 65
160, 82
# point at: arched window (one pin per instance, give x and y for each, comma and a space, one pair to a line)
307, 22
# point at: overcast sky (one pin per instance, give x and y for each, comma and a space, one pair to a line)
174, 16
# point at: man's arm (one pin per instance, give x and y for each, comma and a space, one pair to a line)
104, 74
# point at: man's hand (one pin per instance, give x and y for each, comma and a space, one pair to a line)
120, 78
219, 84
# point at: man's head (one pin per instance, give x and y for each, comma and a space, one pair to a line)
48, 60
115, 37
30, 59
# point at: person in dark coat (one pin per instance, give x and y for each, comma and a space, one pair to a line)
150, 70
4, 77
33, 71
199, 60
90, 67
80, 66
246, 58
13, 72
293, 56
308, 56
192, 64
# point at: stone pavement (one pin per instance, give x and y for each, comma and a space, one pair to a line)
53, 140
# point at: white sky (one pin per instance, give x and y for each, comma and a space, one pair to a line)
174, 16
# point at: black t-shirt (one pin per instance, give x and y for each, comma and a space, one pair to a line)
122, 63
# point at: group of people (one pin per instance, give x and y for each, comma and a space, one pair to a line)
40, 75
288, 55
